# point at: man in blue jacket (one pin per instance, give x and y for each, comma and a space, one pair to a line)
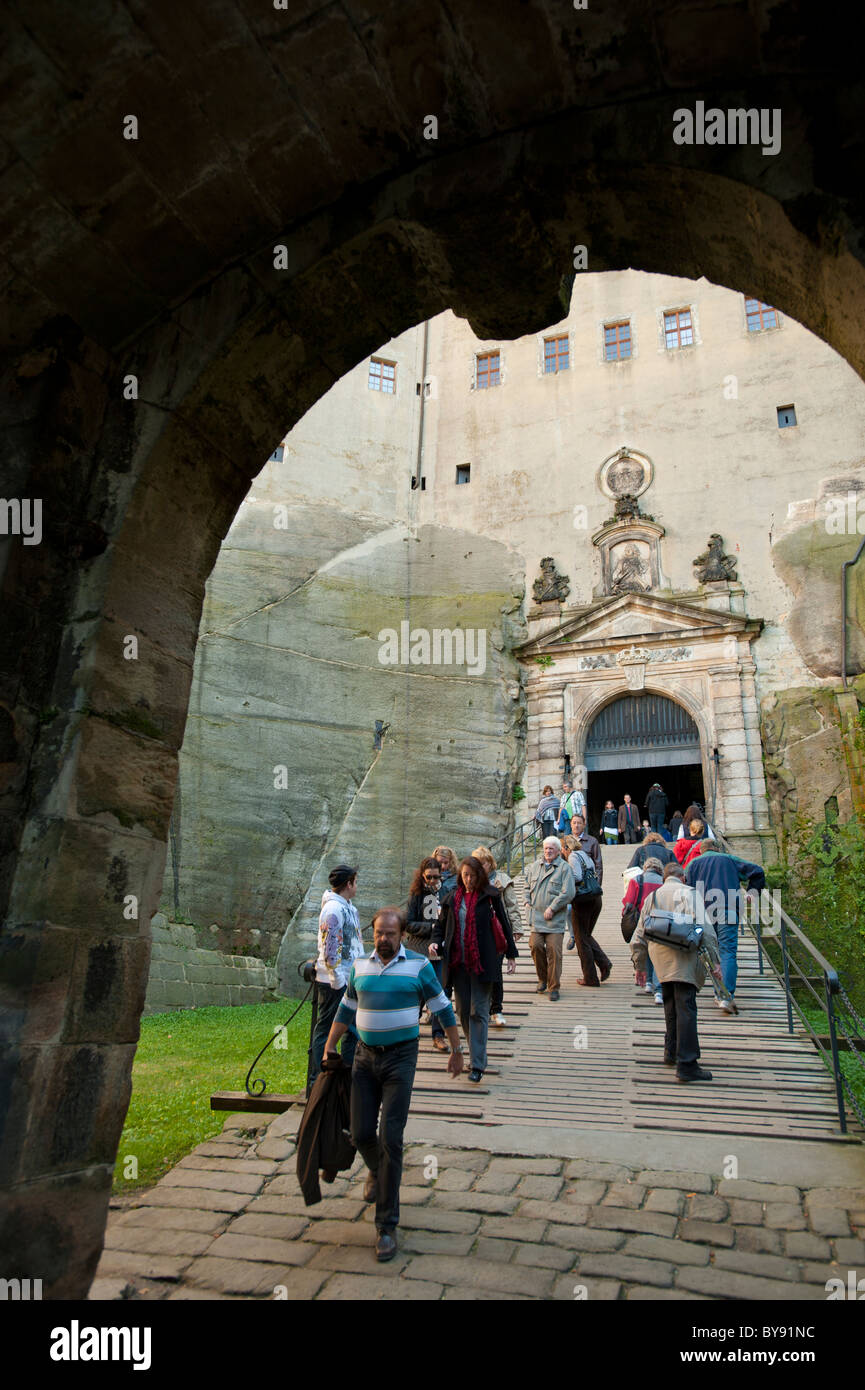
718, 878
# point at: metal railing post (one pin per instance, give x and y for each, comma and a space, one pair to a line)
758, 917
786, 974
836, 1061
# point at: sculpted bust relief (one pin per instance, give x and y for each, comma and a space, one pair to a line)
628, 572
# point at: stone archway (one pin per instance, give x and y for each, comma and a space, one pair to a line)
581, 714
695, 655
157, 352
634, 740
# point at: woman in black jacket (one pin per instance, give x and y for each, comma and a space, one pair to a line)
424, 906
465, 936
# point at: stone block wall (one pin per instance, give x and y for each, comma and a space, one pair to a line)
183, 975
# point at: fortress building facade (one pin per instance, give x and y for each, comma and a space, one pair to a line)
644, 509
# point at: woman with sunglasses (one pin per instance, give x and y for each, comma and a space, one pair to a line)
423, 909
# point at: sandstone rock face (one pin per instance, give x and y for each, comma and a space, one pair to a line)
279, 778
808, 555
803, 756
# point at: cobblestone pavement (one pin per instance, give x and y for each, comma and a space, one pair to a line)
229, 1222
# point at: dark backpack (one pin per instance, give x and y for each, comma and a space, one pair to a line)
630, 918
588, 885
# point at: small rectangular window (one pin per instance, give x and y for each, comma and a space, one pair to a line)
759, 315
678, 329
276, 456
464, 472
487, 370
557, 357
382, 375
617, 341
786, 416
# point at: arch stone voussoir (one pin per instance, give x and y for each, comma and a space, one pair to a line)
153, 261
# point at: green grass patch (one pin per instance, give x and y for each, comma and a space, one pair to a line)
182, 1058
852, 1063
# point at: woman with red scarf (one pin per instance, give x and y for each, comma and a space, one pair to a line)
471, 932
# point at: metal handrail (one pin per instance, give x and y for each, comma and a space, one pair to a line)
783, 928
516, 840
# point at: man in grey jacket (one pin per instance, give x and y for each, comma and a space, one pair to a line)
550, 890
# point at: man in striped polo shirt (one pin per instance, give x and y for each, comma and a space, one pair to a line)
382, 999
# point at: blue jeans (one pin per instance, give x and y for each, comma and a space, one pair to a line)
437, 1028
472, 997
728, 940
651, 977
328, 1003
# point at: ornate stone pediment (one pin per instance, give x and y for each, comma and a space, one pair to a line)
661, 625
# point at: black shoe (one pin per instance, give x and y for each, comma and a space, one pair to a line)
370, 1187
554, 994
570, 944
697, 1074
385, 1246
668, 1060
475, 1075
540, 989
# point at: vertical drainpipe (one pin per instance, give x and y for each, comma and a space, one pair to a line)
415, 484
419, 464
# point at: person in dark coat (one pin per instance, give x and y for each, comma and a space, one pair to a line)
717, 878
656, 806
610, 824
424, 906
465, 936
676, 820
652, 847
585, 911
629, 822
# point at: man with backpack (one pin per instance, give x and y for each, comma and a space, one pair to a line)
588, 870
573, 803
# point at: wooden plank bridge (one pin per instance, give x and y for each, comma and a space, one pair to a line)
767, 1081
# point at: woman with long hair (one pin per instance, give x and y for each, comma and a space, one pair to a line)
499, 879
424, 905
447, 862
610, 824
472, 930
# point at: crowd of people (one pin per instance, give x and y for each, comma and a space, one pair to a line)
622, 825
444, 956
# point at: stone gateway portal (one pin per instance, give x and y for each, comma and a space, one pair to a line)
640, 731
637, 740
